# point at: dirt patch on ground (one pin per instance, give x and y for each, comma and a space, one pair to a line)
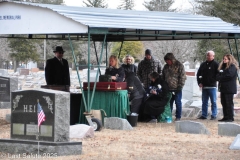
152, 141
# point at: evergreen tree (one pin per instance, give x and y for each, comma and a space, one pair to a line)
159, 5
228, 11
23, 50
95, 3
126, 5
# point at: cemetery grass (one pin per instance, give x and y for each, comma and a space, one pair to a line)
152, 141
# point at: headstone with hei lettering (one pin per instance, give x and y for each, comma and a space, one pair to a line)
35, 133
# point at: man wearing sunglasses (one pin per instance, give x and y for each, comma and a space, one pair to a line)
57, 69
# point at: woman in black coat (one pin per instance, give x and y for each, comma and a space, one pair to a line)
227, 77
136, 92
128, 64
114, 70
157, 96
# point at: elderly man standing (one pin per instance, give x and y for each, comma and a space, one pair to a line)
147, 66
206, 78
174, 74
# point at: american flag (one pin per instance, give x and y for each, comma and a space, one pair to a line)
41, 115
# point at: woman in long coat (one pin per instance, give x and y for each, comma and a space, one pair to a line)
136, 92
227, 78
157, 96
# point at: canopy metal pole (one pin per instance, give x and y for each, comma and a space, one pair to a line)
88, 98
120, 50
94, 88
44, 52
237, 50
96, 55
237, 57
76, 66
106, 55
230, 47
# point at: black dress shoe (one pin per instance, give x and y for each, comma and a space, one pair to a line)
201, 117
228, 120
222, 120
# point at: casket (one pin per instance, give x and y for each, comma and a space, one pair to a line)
106, 86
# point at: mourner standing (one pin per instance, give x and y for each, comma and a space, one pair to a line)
174, 74
147, 66
227, 78
57, 69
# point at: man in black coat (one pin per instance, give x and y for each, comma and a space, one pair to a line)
206, 79
57, 69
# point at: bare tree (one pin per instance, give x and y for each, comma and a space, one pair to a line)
96, 3
159, 5
126, 5
184, 50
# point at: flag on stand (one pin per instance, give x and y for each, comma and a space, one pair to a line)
41, 115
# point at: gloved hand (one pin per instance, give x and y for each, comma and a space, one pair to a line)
179, 88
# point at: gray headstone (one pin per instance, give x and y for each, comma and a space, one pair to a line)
228, 129
187, 112
191, 127
10, 149
23, 71
7, 85
236, 143
197, 105
81, 131
3, 72
186, 103
117, 123
24, 116
191, 89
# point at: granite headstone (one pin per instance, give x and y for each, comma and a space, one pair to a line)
24, 115
3, 72
23, 71
7, 85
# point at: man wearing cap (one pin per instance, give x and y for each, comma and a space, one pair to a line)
57, 69
147, 66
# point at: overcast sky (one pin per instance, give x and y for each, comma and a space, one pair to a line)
181, 4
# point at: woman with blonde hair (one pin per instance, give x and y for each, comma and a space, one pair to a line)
128, 64
116, 72
227, 77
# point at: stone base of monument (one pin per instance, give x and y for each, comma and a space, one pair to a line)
27, 148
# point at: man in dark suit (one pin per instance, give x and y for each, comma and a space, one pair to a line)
57, 69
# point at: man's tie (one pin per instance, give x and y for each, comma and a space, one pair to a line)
61, 61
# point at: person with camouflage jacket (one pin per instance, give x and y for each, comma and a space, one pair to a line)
147, 66
174, 74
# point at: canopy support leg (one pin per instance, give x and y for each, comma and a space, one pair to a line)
96, 56
99, 63
237, 57
120, 50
